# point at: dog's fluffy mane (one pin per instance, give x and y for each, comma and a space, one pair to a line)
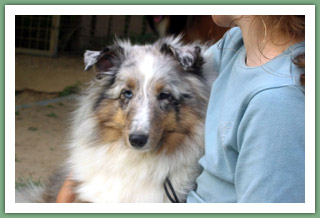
114, 172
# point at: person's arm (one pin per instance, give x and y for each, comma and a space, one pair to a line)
66, 194
271, 140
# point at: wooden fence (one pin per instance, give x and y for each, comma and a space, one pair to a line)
49, 35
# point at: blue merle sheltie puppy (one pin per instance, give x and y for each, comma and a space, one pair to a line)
138, 131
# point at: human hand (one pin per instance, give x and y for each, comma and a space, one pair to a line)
66, 194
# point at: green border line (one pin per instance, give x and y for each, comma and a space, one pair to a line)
139, 2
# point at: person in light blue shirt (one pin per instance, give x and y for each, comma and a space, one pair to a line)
255, 125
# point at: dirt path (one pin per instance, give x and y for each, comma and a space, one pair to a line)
40, 131
40, 138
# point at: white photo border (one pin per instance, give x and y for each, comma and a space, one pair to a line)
12, 10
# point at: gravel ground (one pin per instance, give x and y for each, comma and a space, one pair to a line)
40, 139
40, 131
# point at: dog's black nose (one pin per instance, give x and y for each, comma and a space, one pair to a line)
138, 140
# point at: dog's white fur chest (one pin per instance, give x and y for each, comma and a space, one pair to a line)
115, 173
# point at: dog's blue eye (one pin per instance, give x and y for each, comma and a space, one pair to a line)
164, 96
128, 94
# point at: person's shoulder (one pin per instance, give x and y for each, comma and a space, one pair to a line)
225, 49
281, 71
274, 97
222, 51
234, 32
231, 38
297, 49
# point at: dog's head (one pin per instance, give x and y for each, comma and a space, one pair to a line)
151, 97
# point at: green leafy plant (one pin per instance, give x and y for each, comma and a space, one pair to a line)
69, 90
51, 115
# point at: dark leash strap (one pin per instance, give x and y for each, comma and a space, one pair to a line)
173, 199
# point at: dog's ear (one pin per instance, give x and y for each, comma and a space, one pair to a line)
189, 57
104, 61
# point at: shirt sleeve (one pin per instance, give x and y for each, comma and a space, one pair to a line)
271, 145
